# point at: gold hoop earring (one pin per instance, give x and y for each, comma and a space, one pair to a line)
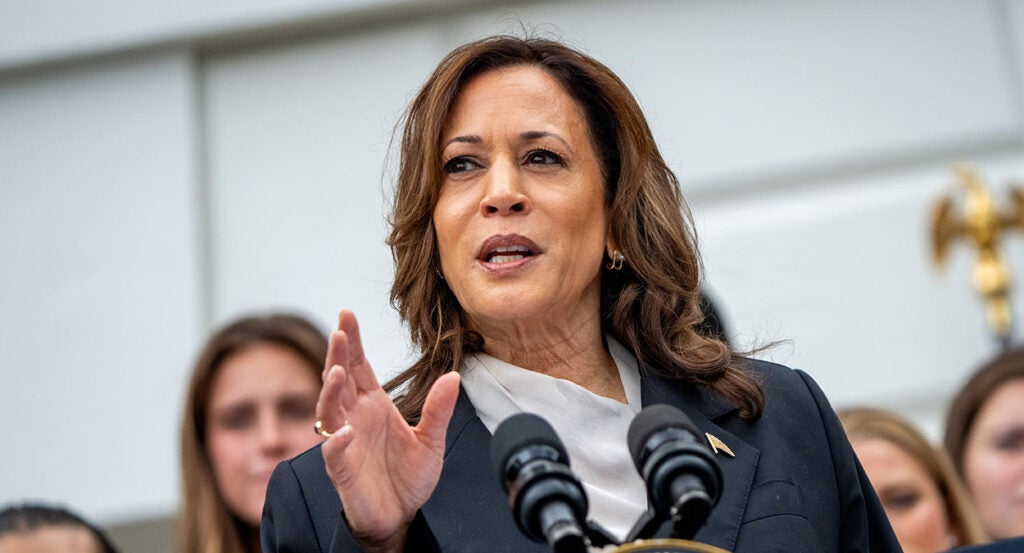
616, 262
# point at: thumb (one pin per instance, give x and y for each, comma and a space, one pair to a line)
438, 409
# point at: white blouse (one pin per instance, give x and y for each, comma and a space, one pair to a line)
592, 427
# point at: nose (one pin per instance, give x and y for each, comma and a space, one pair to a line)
271, 434
503, 192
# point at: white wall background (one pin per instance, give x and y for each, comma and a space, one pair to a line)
166, 166
100, 276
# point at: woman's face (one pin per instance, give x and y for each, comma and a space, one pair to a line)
993, 461
521, 221
261, 412
911, 498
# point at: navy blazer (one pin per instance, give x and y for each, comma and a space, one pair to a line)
794, 484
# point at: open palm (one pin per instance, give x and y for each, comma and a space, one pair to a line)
383, 469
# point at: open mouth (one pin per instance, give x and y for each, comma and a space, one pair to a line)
508, 254
507, 248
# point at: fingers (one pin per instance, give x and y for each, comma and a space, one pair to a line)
346, 349
335, 353
350, 348
330, 407
333, 449
348, 324
438, 409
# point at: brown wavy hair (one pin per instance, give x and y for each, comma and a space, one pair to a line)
206, 524
867, 423
964, 408
651, 306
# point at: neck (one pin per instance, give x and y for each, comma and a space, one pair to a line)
251, 536
573, 350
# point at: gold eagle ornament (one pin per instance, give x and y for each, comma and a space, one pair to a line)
982, 223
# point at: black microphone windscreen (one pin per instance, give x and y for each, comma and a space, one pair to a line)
651, 420
519, 431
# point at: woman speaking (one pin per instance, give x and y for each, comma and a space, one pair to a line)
546, 263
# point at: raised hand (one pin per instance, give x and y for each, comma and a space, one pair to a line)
383, 469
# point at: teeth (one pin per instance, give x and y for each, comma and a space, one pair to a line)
507, 254
505, 258
507, 249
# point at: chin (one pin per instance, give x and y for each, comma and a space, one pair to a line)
500, 313
253, 518
252, 511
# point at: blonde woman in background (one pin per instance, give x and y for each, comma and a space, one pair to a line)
926, 502
251, 404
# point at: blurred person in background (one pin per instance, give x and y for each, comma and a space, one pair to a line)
985, 439
251, 404
927, 504
39, 528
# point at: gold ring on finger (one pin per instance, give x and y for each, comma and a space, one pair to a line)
319, 427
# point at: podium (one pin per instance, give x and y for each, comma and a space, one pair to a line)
667, 546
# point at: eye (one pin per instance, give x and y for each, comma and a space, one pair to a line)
460, 164
237, 418
1011, 441
297, 408
900, 500
543, 157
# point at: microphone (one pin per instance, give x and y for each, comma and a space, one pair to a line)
682, 476
546, 498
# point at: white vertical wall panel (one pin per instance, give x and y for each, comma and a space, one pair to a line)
737, 89
99, 314
1014, 38
297, 138
844, 273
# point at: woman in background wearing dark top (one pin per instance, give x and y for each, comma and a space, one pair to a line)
546, 263
250, 405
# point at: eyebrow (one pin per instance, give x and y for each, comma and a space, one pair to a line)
468, 139
239, 407
528, 135
534, 135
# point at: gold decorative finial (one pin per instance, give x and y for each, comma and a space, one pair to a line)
983, 224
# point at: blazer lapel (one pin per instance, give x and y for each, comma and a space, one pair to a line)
468, 510
703, 407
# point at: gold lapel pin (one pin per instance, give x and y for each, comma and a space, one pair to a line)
718, 446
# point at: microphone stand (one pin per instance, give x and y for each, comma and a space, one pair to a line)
639, 540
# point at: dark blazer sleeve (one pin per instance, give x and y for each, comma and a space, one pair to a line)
287, 525
302, 513
862, 521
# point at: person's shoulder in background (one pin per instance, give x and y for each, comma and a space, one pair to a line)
1012, 545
